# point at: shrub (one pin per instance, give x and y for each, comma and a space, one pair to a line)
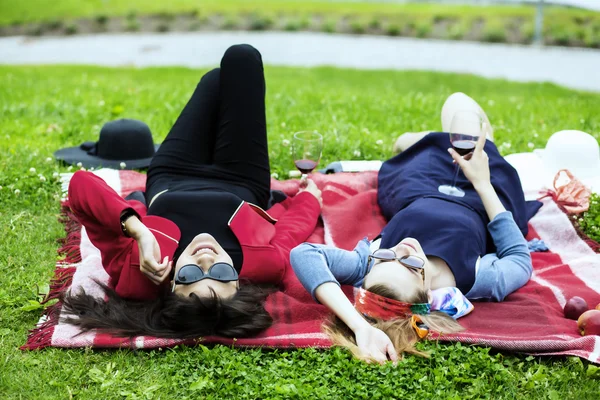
305, 22
132, 25
54, 24
36, 30
591, 38
375, 23
559, 31
439, 18
71, 29
101, 19
580, 20
231, 22
292, 25
329, 26
528, 32
457, 31
561, 36
203, 18
131, 15
393, 30
423, 29
166, 16
163, 27
358, 27
260, 22
494, 32
194, 26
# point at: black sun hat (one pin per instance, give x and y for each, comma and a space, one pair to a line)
123, 144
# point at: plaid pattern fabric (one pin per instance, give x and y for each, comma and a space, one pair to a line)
528, 321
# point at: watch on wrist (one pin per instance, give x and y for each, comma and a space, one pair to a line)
124, 218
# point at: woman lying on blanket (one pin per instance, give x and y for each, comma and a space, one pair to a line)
183, 267
434, 248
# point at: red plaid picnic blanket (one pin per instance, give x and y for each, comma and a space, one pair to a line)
529, 320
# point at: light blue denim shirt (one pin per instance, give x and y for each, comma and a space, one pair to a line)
498, 274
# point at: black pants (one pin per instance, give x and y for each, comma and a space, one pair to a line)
220, 138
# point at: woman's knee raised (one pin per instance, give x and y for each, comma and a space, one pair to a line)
241, 54
210, 80
456, 102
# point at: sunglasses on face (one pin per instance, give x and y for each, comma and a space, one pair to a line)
191, 273
413, 263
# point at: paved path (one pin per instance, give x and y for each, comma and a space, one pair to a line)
589, 4
575, 68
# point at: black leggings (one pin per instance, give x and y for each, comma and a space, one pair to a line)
221, 135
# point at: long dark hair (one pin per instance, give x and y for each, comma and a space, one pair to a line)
171, 316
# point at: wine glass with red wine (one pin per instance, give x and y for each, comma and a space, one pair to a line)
465, 129
307, 147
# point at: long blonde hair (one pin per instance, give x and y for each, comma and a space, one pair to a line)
399, 330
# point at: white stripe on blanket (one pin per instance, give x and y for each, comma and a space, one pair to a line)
86, 271
555, 229
110, 176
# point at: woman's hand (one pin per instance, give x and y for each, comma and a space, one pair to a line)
311, 187
375, 345
477, 171
476, 167
150, 264
149, 250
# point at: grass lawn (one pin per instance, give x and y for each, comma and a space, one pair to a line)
39, 10
510, 24
360, 113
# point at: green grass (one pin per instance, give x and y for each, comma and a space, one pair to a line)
44, 10
563, 26
230, 22
45, 108
495, 32
590, 221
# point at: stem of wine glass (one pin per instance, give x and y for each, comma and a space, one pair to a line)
303, 180
455, 175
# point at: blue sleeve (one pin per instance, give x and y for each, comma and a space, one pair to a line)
316, 264
509, 268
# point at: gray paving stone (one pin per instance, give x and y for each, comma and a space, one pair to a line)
570, 67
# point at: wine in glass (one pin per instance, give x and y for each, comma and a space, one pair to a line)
307, 147
465, 129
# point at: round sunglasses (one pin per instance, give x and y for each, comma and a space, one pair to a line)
191, 273
411, 262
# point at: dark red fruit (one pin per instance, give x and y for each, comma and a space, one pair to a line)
575, 307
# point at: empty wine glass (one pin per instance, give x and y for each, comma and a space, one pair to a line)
307, 147
465, 129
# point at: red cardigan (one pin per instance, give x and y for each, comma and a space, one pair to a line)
265, 238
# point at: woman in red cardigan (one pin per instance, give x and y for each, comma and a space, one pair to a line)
186, 265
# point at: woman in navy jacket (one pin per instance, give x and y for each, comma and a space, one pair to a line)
472, 245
